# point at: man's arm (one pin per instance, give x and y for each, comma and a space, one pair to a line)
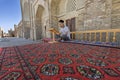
58, 33
67, 30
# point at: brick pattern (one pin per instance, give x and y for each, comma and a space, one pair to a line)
71, 5
89, 14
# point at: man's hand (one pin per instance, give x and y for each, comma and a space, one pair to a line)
58, 33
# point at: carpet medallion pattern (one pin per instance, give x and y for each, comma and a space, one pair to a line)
50, 69
65, 61
60, 61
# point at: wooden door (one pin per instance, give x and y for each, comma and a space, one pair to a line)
71, 25
68, 23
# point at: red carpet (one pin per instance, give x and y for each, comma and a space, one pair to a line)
62, 61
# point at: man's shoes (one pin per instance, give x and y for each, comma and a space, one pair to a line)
62, 40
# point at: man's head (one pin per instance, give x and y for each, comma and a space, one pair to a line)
61, 23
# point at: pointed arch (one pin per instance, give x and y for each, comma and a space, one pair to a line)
58, 8
39, 22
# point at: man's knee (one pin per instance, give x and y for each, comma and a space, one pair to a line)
57, 36
64, 37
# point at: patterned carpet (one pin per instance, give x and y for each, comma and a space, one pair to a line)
60, 61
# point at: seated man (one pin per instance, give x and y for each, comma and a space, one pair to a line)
64, 31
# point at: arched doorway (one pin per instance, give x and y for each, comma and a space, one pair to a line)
70, 10
65, 10
39, 23
57, 11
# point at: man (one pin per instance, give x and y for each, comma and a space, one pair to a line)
64, 31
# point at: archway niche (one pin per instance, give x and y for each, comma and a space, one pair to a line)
39, 23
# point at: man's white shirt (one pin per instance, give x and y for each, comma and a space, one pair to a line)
65, 30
